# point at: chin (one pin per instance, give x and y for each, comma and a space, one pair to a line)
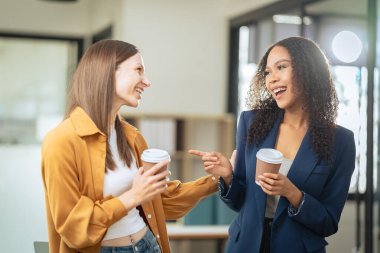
280, 105
133, 104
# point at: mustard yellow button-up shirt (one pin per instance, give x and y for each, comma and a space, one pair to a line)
73, 168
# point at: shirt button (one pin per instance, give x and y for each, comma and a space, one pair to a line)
213, 178
149, 216
158, 236
136, 248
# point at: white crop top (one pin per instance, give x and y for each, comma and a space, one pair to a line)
116, 182
272, 201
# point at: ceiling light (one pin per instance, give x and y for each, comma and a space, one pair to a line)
347, 46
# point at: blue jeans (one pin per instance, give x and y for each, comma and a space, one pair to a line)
147, 244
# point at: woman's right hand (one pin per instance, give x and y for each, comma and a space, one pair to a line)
146, 185
217, 164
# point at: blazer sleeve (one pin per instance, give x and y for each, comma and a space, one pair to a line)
79, 220
233, 195
180, 197
322, 214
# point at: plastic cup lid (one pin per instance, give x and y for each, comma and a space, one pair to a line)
154, 155
270, 155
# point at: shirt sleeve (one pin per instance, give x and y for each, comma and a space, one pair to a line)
292, 211
180, 198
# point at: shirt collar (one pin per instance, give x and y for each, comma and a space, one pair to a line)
84, 126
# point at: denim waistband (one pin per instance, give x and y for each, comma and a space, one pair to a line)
147, 244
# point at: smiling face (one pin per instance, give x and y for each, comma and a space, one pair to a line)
279, 78
130, 81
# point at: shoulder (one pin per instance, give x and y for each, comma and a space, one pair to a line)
344, 142
248, 116
343, 134
61, 137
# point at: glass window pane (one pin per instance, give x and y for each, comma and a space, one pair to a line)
33, 82
351, 87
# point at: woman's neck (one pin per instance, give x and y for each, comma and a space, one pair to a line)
297, 119
114, 113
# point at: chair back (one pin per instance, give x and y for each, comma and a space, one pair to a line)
41, 247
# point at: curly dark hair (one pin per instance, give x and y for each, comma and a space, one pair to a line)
313, 83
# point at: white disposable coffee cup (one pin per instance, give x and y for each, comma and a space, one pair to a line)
268, 160
152, 156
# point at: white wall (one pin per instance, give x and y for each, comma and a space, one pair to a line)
23, 216
104, 13
185, 46
44, 17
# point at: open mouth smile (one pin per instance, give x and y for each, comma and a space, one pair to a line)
139, 90
278, 91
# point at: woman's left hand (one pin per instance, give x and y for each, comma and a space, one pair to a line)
277, 184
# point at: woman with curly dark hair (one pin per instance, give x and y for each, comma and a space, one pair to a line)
294, 108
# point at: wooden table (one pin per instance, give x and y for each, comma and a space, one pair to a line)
199, 232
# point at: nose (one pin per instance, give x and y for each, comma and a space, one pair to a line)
272, 77
146, 82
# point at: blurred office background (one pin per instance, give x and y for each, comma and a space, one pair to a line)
200, 56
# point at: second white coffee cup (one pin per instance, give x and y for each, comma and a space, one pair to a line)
268, 160
152, 156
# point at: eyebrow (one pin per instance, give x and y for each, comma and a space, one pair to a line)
279, 61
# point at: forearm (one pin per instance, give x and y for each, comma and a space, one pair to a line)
227, 180
316, 216
180, 198
87, 222
129, 200
233, 194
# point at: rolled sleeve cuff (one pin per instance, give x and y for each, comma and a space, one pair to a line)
233, 191
223, 188
292, 211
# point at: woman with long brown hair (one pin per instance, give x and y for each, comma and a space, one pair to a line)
98, 197
294, 108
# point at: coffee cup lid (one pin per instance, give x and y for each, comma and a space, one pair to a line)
270, 155
154, 155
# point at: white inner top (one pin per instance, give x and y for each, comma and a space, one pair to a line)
116, 182
272, 201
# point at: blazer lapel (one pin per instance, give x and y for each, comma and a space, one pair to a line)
302, 166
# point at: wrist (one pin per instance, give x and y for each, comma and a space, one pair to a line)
227, 179
295, 198
129, 199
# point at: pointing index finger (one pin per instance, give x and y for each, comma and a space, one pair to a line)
197, 152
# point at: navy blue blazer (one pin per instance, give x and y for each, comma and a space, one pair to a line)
325, 186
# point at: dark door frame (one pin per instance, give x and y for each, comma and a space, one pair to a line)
78, 40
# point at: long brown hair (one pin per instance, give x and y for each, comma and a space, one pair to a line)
93, 89
313, 81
